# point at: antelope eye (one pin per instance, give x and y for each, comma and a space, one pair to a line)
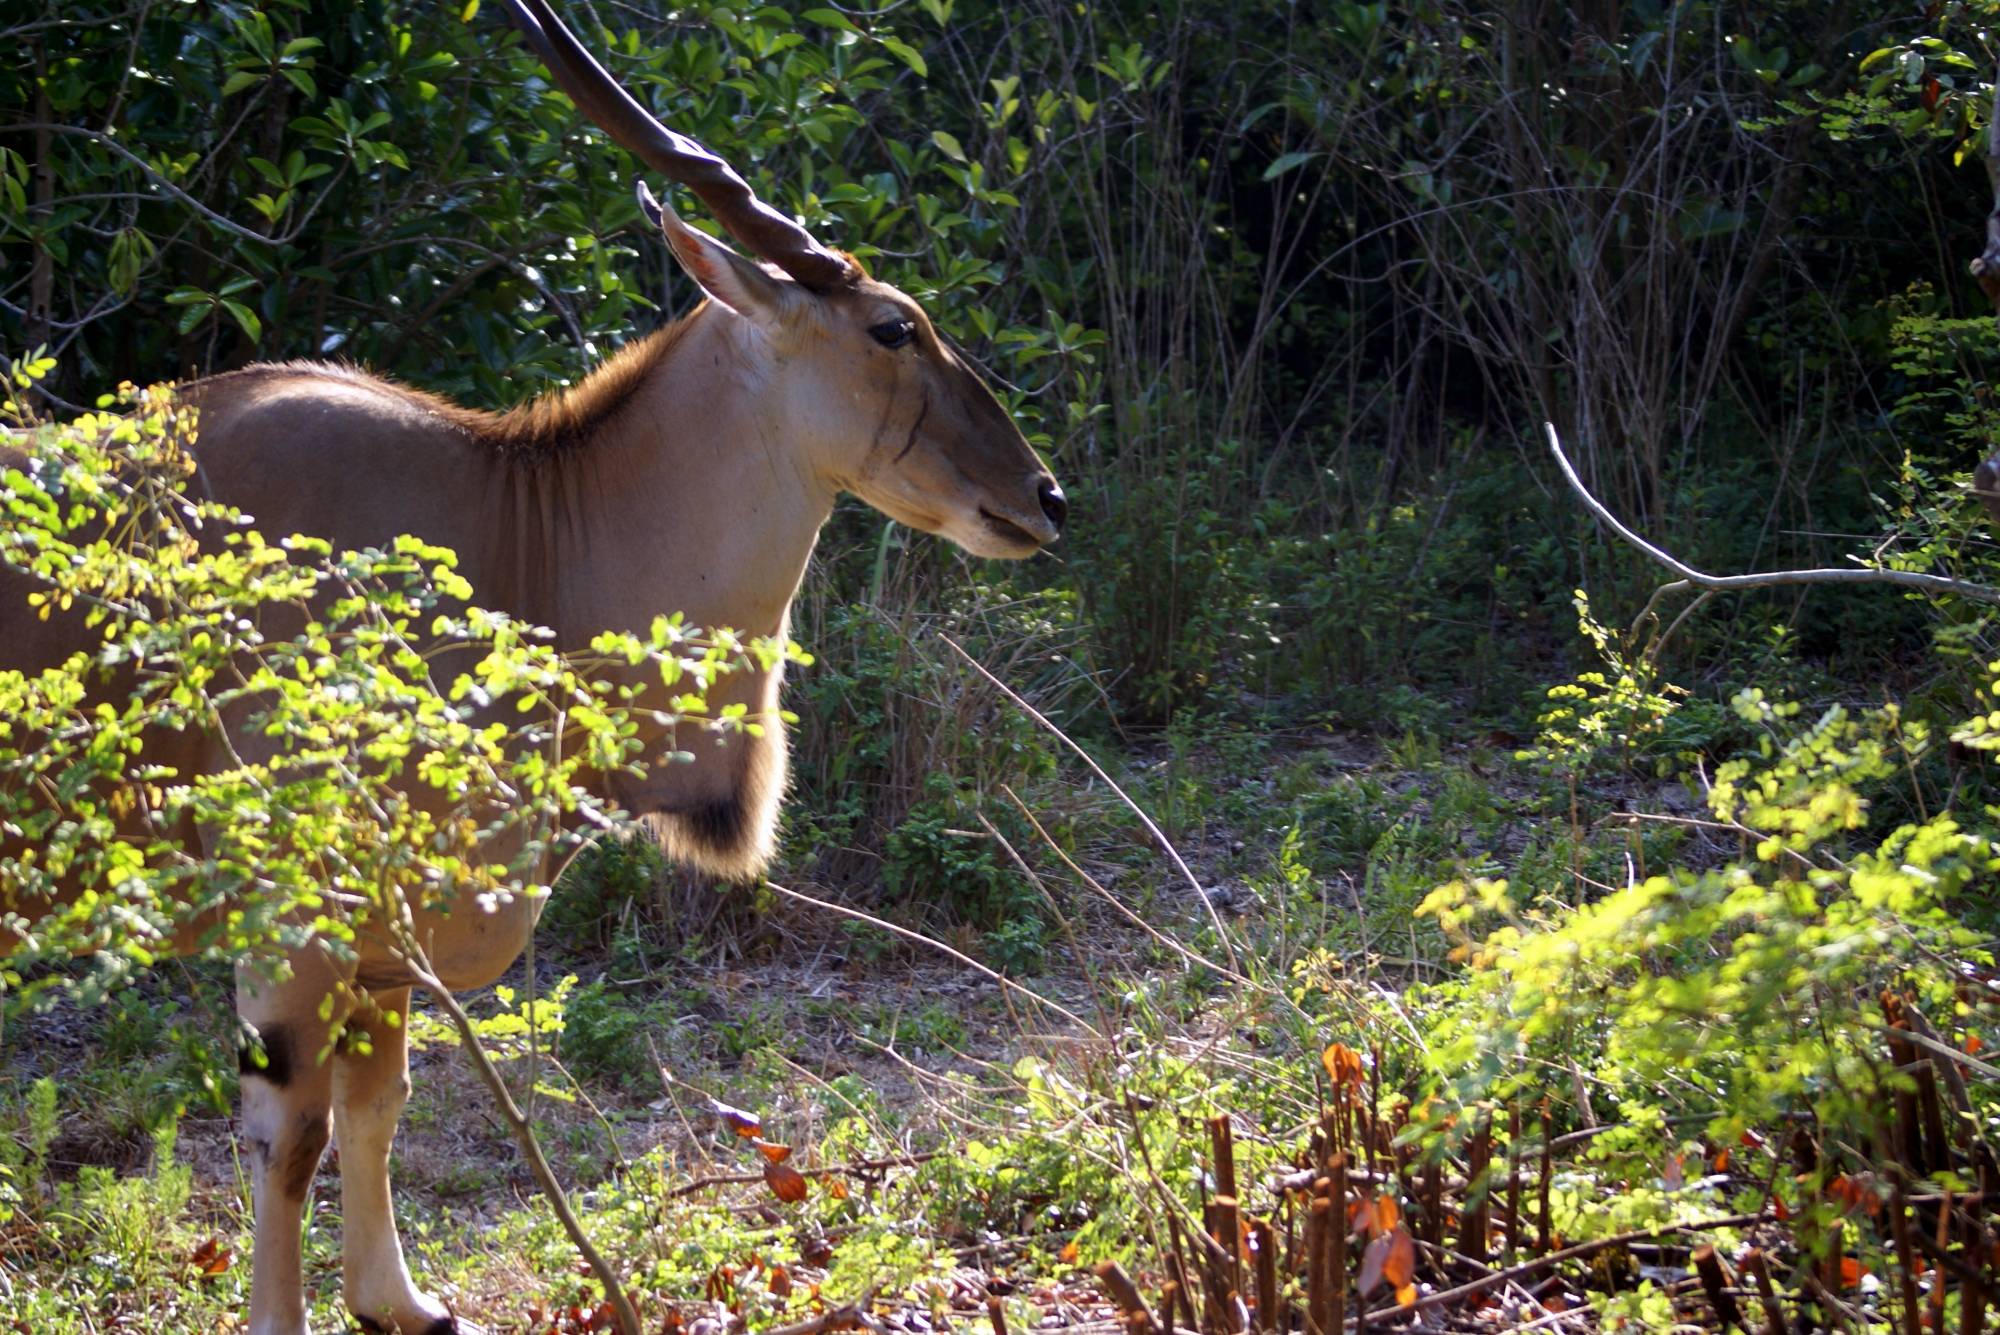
894, 334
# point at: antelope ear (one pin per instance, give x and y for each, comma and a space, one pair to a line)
729, 279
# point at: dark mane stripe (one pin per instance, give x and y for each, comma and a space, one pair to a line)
541, 429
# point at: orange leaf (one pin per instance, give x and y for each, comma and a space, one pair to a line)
1388, 1214
1406, 1296
1973, 1043
1399, 1267
1779, 1209
781, 1282
744, 1124
775, 1153
786, 1182
1675, 1176
836, 1187
1069, 1252
1722, 1161
1851, 1272
1343, 1064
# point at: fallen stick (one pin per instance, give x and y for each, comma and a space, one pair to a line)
859, 1168
1446, 1297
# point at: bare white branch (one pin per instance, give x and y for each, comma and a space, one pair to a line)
1692, 578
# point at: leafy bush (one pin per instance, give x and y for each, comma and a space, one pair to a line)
311, 839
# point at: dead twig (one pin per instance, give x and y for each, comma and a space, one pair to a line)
1446, 1297
858, 1168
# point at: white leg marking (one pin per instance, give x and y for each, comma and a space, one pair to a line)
368, 1096
284, 1132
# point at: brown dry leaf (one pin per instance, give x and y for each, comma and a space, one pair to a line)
1399, 1266
1360, 1214
781, 1282
786, 1182
744, 1124
774, 1152
1675, 1176
815, 1251
836, 1187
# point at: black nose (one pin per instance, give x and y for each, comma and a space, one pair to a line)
1054, 504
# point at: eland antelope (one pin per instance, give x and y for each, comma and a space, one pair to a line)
691, 472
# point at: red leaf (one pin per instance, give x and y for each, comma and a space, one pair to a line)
781, 1282
786, 1182
1851, 1272
212, 1259
775, 1153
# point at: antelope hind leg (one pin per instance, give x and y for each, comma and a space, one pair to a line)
369, 1090
286, 1105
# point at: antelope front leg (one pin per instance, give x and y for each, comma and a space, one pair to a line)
286, 1102
369, 1090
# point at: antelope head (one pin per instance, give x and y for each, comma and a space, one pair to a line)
877, 402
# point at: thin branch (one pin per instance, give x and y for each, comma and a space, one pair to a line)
214, 219
1214, 918
859, 1168
936, 944
524, 1136
1692, 578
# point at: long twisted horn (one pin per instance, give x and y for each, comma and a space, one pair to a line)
761, 229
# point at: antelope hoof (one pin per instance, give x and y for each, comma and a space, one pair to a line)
448, 1324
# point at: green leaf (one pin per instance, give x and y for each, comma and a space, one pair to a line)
830, 18
908, 54
245, 317
948, 145
240, 80
1285, 162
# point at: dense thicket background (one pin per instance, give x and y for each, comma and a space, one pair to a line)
1285, 292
